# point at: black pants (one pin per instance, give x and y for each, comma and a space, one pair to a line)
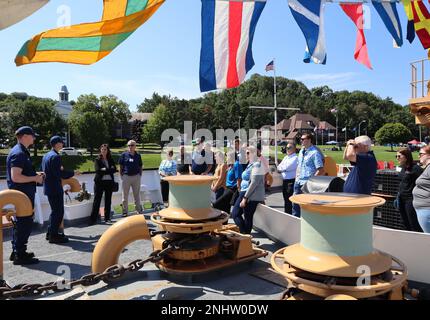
287, 192
57, 212
409, 215
105, 186
223, 203
165, 190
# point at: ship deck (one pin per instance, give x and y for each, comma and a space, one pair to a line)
247, 281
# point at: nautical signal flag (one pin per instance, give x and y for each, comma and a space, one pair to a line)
389, 15
270, 66
309, 15
89, 42
410, 28
228, 29
355, 12
421, 22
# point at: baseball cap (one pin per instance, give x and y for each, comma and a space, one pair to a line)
26, 130
56, 139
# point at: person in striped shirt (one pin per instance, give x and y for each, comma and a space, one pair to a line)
168, 167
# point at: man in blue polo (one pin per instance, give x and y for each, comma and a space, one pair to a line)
131, 172
310, 163
21, 176
53, 189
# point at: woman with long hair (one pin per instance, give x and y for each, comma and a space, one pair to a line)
421, 191
218, 186
233, 179
409, 174
103, 183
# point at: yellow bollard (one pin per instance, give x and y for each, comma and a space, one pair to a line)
115, 239
23, 208
74, 184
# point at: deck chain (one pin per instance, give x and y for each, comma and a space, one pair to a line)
111, 273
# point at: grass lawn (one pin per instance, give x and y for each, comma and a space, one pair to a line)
151, 157
382, 153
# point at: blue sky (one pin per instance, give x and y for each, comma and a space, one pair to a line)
163, 55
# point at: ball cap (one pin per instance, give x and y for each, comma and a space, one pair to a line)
56, 139
26, 130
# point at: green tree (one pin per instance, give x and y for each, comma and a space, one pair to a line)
40, 114
149, 105
161, 120
393, 133
90, 128
115, 111
112, 110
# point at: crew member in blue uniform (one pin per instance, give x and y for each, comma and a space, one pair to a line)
21, 176
53, 189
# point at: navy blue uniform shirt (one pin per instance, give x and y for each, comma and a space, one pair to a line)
362, 176
131, 164
19, 157
51, 165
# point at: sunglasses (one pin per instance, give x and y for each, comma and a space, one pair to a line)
304, 139
398, 156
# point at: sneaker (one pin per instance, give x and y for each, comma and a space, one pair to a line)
13, 255
59, 238
24, 259
125, 214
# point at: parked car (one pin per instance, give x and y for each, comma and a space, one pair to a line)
70, 151
332, 142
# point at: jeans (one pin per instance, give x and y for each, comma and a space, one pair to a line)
105, 186
296, 207
244, 223
219, 193
287, 192
21, 231
409, 216
57, 213
424, 219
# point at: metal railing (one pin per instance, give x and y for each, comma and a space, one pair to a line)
419, 81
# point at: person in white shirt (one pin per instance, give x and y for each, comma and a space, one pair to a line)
288, 168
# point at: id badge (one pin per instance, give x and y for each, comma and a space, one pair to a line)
131, 160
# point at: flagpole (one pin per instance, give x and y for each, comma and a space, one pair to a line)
276, 113
336, 128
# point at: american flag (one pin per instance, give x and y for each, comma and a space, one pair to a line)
270, 66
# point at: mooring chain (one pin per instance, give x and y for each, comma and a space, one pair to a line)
111, 273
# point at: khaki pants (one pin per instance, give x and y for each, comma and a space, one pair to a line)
134, 183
